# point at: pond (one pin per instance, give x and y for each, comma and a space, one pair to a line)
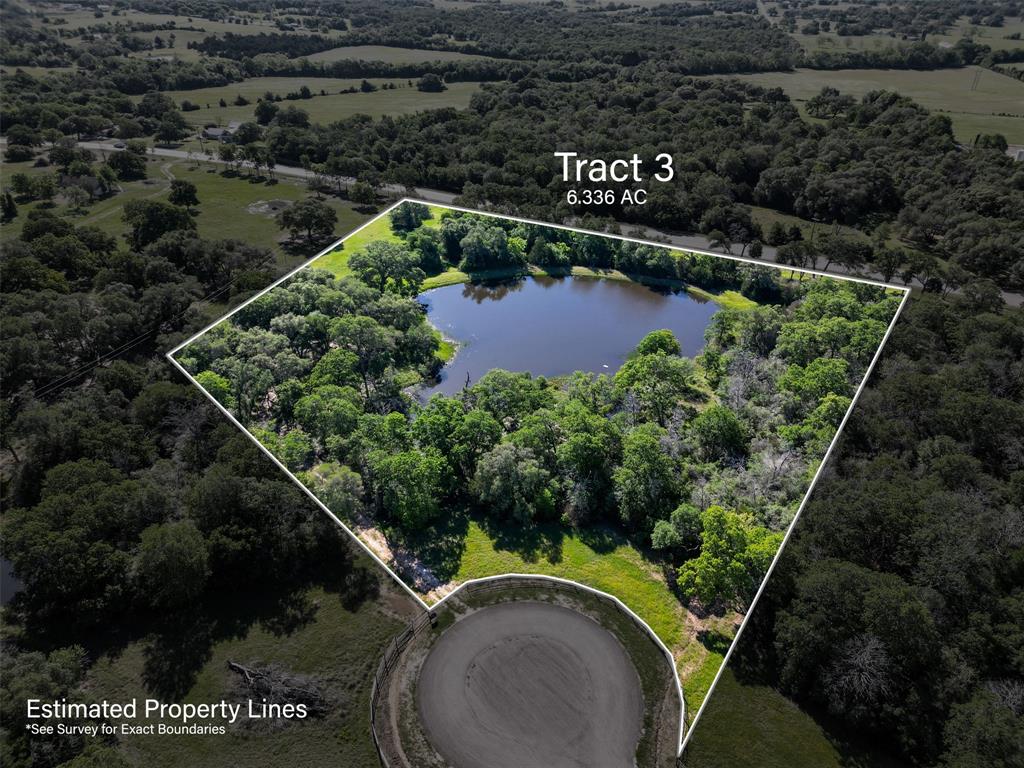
554, 326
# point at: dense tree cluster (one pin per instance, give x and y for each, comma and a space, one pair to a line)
323, 371
125, 494
899, 608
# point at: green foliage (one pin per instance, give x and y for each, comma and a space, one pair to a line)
409, 486
309, 218
388, 267
218, 386
658, 383
407, 216
734, 558
719, 434
172, 565
149, 220
511, 482
647, 484
658, 342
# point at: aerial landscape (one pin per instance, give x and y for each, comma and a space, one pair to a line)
269, 266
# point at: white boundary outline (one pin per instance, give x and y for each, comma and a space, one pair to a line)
684, 732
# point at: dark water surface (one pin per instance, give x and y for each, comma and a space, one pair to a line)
554, 326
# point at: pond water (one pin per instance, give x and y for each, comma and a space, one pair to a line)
554, 326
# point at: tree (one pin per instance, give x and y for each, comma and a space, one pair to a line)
311, 217
362, 193
171, 128
431, 83
388, 267
719, 434
266, 111
510, 481
734, 557
658, 342
76, 197
172, 565
218, 387
372, 344
409, 486
8, 208
658, 383
183, 193
149, 220
647, 483
408, 216
339, 487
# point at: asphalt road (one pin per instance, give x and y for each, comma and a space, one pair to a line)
530, 685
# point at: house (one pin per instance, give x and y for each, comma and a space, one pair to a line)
221, 133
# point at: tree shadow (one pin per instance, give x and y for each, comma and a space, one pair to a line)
714, 641
531, 542
441, 546
601, 538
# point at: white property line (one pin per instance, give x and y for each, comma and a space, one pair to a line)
684, 732
621, 605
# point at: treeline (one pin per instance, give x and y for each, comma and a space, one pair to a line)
918, 55
898, 608
909, 20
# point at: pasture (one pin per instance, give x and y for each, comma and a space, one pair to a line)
976, 100
324, 109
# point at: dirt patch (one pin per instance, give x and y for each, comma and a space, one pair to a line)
530, 683
269, 208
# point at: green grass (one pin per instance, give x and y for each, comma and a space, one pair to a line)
404, 99
391, 55
992, 104
618, 569
993, 37
337, 261
338, 646
223, 211
757, 727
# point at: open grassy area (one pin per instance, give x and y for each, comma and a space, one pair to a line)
341, 648
975, 99
390, 54
403, 99
776, 733
230, 206
994, 37
336, 261
602, 560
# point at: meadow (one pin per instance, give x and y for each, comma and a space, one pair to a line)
403, 99
976, 100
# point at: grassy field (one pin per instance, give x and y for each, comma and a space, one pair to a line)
975, 99
994, 37
404, 99
230, 206
390, 55
610, 564
336, 261
339, 647
775, 732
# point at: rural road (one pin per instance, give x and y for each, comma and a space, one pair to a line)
434, 195
530, 685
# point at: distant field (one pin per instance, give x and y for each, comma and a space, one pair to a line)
402, 100
85, 18
976, 100
390, 55
993, 37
